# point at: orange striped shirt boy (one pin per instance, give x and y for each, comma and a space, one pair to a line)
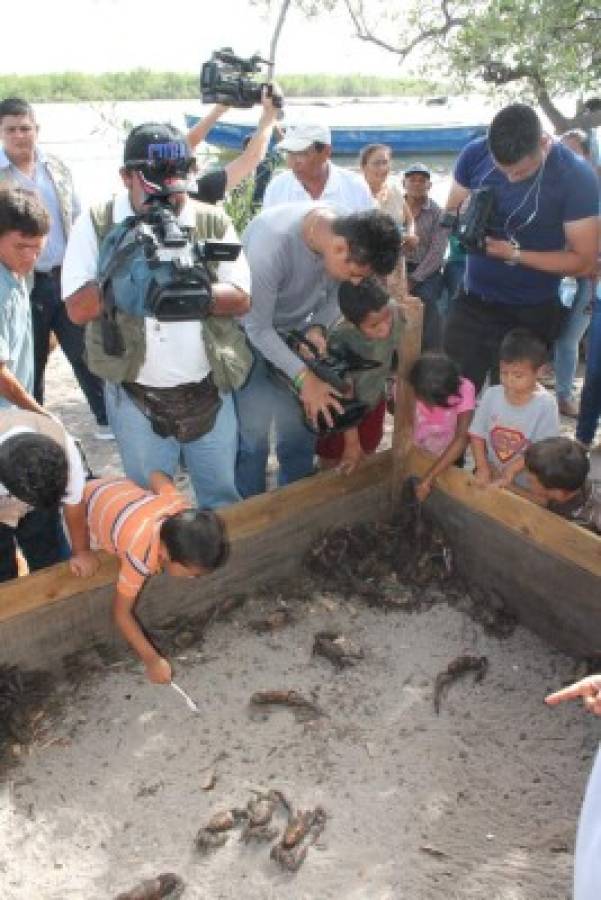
125, 519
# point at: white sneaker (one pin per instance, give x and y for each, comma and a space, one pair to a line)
104, 433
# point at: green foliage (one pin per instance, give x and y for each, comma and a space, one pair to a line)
138, 84
552, 42
142, 84
239, 204
538, 49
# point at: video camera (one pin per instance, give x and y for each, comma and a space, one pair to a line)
180, 287
225, 79
334, 368
149, 266
472, 226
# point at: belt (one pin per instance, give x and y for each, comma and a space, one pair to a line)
51, 273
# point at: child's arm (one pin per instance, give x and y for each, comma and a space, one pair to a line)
158, 480
84, 561
450, 455
483, 472
352, 453
158, 669
13, 391
507, 475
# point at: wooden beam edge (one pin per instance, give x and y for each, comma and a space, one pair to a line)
548, 531
243, 520
552, 533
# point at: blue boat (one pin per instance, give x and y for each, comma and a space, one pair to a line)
348, 140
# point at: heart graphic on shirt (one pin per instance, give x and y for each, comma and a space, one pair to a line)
507, 443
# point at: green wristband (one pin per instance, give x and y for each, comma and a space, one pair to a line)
298, 380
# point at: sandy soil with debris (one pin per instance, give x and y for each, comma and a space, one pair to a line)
477, 803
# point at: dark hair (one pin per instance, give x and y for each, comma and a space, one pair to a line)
514, 133
319, 146
196, 537
521, 345
23, 211
34, 469
578, 134
13, 106
373, 239
369, 150
558, 462
436, 379
356, 301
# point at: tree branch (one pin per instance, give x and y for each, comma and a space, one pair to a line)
364, 33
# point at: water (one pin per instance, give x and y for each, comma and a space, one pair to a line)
89, 136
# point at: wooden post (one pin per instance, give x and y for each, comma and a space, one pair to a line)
409, 349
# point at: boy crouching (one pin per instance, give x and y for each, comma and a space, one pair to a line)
151, 531
558, 470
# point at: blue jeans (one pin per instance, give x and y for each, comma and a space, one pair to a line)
590, 400
41, 539
260, 403
429, 291
572, 331
453, 275
48, 313
210, 459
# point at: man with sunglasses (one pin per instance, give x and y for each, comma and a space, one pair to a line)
23, 164
173, 354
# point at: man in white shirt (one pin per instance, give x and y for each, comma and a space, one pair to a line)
313, 176
175, 352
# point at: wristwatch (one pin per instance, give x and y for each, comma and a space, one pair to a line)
516, 254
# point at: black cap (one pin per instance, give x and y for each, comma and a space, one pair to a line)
417, 169
155, 142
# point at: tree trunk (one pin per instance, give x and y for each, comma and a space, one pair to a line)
276, 36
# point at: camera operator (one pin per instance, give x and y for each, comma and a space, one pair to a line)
160, 355
544, 225
213, 186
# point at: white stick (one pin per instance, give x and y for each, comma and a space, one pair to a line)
189, 701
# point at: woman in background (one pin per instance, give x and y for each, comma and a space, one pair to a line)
388, 193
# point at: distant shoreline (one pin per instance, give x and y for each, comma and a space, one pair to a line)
143, 84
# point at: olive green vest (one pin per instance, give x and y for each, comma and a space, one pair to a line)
227, 350
63, 184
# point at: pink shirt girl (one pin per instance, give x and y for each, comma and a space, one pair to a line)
434, 427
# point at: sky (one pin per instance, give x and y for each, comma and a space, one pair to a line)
116, 35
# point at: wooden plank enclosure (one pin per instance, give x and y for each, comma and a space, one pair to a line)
51, 613
546, 569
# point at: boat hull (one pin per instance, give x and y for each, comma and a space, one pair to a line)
350, 140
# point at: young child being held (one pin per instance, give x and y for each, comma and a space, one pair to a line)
513, 414
444, 405
557, 470
371, 328
151, 531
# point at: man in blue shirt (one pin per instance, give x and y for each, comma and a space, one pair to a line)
24, 224
22, 164
544, 226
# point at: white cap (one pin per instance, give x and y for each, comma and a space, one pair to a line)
300, 137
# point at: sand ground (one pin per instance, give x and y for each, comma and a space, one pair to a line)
478, 803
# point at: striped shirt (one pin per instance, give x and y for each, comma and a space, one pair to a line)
125, 519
